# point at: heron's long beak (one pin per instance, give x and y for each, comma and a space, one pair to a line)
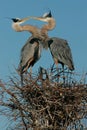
18, 19
40, 19
24, 19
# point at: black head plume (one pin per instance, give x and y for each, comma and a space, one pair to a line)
15, 19
47, 14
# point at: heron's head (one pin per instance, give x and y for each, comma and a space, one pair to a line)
45, 18
15, 20
47, 15
19, 21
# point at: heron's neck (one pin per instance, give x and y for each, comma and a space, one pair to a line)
47, 27
16, 27
50, 26
32, 29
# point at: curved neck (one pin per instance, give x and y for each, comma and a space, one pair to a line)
32, 29
16, 27
50, 26
47, 27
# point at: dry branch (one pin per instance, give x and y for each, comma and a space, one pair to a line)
43, 103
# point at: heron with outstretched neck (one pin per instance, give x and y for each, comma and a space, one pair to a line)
31, 51
59, 47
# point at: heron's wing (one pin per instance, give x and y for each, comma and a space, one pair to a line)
30, 54
61, 51
27, 52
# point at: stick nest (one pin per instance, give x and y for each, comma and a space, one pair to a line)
43, 103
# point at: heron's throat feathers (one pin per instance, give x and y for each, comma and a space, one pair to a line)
52, 24
33, 30
16, 27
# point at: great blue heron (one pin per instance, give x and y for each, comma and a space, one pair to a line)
61, 52
59, 48
31, 51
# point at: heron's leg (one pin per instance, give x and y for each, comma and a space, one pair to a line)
63, 74
52, 67
21, 80
57, 69
30, 70
56, 63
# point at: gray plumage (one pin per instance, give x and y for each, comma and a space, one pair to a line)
61, 52
30, 54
